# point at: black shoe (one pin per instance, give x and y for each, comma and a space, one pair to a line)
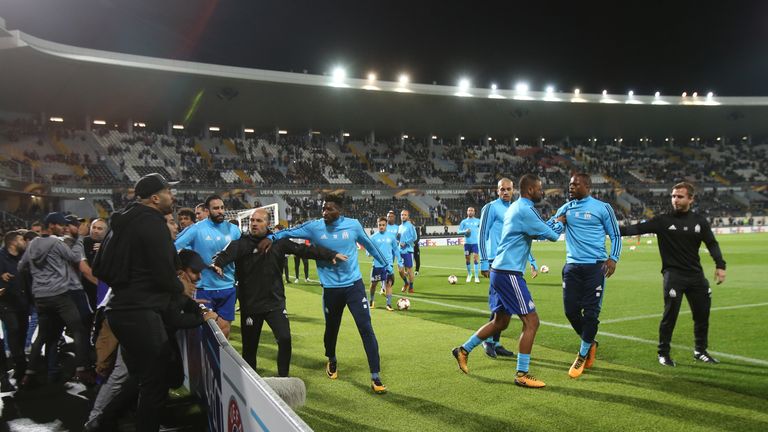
490, 349
666, 360
27, 381
330, 370
703, 356
503, 352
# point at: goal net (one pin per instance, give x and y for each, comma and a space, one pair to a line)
243, 216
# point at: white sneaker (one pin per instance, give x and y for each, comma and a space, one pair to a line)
296, 280
306, 279
477, 280
469, 278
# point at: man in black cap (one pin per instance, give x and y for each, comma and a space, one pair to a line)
139, 262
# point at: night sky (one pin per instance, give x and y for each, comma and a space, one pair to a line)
670, 46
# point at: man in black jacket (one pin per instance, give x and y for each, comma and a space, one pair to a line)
14, 306
260, 288
144, 253
680, 233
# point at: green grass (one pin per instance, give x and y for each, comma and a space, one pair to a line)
627, 389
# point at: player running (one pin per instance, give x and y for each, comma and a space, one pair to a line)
388, 246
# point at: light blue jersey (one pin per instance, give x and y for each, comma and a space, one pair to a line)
388, 247
341, 236
522, 224
589, 220
407, 237
207, 239
470, 229
491, 223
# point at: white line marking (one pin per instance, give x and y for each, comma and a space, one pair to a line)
485, 312
639, 317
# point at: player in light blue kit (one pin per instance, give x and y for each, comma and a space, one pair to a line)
407, 237
207, 238
470, 229
587, 264
491, 223
343, 283
387, 244
394, 229
509, 293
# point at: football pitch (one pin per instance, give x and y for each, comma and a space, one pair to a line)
626, 390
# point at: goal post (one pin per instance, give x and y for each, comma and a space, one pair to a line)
243, 216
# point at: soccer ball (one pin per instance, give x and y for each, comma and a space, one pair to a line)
403, 304
452, 279
544, 269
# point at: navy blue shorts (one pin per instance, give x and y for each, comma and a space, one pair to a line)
221, 301
470, 249
407, 259
509, 293
380, 274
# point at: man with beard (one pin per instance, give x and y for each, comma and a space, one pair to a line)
680, 233
140, 265
208, 237
260, 286
14, 307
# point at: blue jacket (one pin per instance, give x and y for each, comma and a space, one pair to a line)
342, 236
207, 239
387, 245
491, 222
473, 226
522, 224
588, 221
407, 237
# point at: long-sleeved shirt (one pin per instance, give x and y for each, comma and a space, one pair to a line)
50, 263
522, 224
207, 239
489, 233
680, 235
589, 220
388, 246
407, 237
470, 229
393, 229
342, 236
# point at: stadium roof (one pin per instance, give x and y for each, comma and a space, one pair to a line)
71, 82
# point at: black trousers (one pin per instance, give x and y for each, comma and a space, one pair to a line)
146, 350
583, 289
305, 261
417, 256
353, 297
250, 328
285, 269
51, 312
16, 323
695, 288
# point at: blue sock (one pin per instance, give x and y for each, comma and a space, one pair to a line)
584, 350
405, 280
389, 299
472, 342
477, 273
411, 284
469, 272
523, 361
375, 375
489, 340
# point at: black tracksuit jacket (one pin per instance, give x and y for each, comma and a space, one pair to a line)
259, 277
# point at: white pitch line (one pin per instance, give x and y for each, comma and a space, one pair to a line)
639, 317
602, 333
